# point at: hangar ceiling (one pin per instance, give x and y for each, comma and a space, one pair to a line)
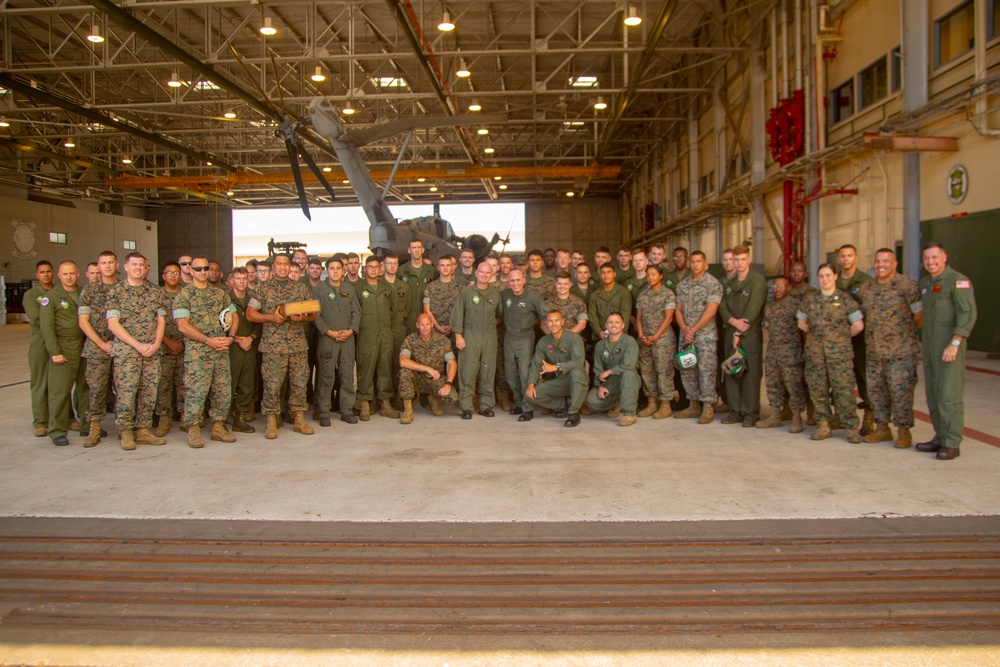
77, 108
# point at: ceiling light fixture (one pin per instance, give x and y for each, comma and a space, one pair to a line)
482, 131
600, 104
421, 179
346, 181
446, 25
570, 194
229, 114
475, 106
434, 188
328, 169
126, 160
95, 36
209, 164
318, 76
632, 19
69, 143
463, 70
498, 178
267, 29
349, 109
4, 122
489, 150
229, 193
503, 186
174, 81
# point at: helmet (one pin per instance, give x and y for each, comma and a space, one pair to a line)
736, 363
685, 358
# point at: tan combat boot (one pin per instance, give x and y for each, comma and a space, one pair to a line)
144, 437
868, 423
220, 434
707, 413
665, 410
613, 413
691, 411
194, 437
387, 410
776, 419
407, 417
272, 427
796, 426
435, 405
650, 410
365, 411
626, 420
504, 401
301, 426
164, 426
853, 436
880, 433
822, 430
128, 442
903, 438
95, 434
41, 431
240, 425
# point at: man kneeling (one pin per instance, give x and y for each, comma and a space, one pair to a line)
427, 366
557, 378
616, 381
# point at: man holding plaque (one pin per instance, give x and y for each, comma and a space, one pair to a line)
283, 344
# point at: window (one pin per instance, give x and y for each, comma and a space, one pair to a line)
130, 245
706, 184
682, 199
896, 67
57, 237
842, 102
873, 83
953, 34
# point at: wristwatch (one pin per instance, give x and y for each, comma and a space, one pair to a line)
559, 367
956, 343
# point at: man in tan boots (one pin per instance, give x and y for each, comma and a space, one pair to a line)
427, 366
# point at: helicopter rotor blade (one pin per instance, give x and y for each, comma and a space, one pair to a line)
318, 172
297, 175
263, 96
372, 133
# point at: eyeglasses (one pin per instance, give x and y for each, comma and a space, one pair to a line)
171, 273
184, 263
199, 268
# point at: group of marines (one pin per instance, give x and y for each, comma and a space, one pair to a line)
478, 334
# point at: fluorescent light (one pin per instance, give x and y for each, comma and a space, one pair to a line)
632, 19
446, 25
475, 106
583, 81
206, 85
318, 76
267, 29
389, 82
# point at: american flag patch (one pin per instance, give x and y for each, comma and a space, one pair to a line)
962, 283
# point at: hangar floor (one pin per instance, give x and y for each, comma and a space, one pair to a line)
596, 481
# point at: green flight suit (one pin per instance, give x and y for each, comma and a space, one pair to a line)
851, 286
519, 315
603, 302
570, 381
745, 299
622, 276
339, 310
401, 300
417, 279
243, 363
59, 323
374, 348
474, 316
38, 358
621, 358
949, 307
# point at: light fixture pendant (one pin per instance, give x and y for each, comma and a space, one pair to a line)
229, 114
126, 160
632, 19
174, 81
475, 106
4, 122
318, 75
95, 36
267, 29
69, 143
463, 70
482, 131
489, 150
348, 109
446, 25
600, 104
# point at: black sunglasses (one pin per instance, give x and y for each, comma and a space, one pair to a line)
185, 263
199, 268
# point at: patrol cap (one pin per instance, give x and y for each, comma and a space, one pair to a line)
685, 358
736, 364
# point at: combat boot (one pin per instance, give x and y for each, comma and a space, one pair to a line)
786, 412
822, 430
435, 405
776, 419
407, 417
585, 410
613, 413
651, 408
707, 413
41, 431
194, 437
240, 425
626, 420
810, 414
880, 433
144, 437
301, 426
868, 424
128, 442
665, 410
220, 434
853, 436
835, 423
903, 438
721, 407
365, 411
272, 427
504, 401
164, 426
691, 411
387, 410
94, 436
796, 426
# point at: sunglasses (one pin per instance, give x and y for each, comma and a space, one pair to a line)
199, 268
185, 263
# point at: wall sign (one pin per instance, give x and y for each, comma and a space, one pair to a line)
23, 239
958, 184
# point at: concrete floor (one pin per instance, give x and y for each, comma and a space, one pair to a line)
486, 470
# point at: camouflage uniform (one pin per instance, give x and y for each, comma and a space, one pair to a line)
375, 348
604, 302
283, 346
59, 325
693, 297
339, 311
852, 286
171, 366
621, 357
656, 361
544, 285
417, 279
435, 353
243, 363
799, 291
138, 310
573, 309
38, 358
519, 315
568, 382
829, 354
672, 279
892, 347
440, 297
784, 364
207, 372
93, 303
475, 317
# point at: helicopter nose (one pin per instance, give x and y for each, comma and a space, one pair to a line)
325, 117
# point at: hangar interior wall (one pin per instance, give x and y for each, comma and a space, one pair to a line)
201, 230
585, 224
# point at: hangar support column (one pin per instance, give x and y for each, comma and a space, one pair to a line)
915, 66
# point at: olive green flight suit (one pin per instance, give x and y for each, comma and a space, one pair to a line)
243, 363
519, 315
621, 357
374, 347
851, 286
59, 323
401, 299
745, 299
417, 279
570, 381
38, 358
339, 311
474, 315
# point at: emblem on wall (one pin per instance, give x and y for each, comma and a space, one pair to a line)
24, 239
958, 184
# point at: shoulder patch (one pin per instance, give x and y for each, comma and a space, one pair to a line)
963, 284
44, 301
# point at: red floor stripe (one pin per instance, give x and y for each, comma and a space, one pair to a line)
988, 371
970, 433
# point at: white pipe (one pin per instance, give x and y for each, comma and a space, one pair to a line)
982, 108
774, 57
784, 50
798, 44
820, 72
